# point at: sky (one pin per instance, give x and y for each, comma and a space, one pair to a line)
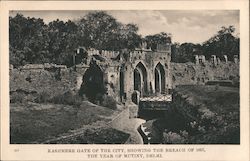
194, 26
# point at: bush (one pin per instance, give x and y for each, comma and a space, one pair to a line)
68, 98
43, 97
17, 97
172, 138
109, 102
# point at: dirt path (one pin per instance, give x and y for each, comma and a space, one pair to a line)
131, 128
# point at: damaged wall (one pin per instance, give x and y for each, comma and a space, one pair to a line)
190, 73
52, 81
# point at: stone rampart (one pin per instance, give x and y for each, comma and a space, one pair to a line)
191, 73
44, 79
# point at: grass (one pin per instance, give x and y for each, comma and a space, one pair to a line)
218, 99
32, 122
97, 136
216, 112
206, 114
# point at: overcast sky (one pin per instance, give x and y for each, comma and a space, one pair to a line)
184, 25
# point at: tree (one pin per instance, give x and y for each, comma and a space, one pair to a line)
102, 31
223, 43
28, 40
63, 41
161, 38
185, 52
129, 36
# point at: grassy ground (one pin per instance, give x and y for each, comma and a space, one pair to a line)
200, 115
31, 122
218, 99
214, 112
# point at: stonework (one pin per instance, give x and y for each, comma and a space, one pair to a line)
142, 70
125, 76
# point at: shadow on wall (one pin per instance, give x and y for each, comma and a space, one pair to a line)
92, 85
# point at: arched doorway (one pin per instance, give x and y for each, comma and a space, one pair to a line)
160, 79
140, 79
93, 84
122, 94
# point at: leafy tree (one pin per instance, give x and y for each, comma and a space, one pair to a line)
63, 41
102, 31
28, 40
223, 43
161, 38
32, 41
129, 36
185, 52
99, 30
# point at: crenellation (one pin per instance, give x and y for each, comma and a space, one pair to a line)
225, 59
145, 71
214, 60
236, 59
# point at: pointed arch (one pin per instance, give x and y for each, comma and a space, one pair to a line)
160, 79
140, 78
93, 83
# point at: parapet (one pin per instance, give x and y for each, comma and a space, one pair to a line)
42, 66
215, 60
104, 53
200, 59
32, 67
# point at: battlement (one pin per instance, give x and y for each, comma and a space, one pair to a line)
42, 66
201, 59
110, 54
104, 53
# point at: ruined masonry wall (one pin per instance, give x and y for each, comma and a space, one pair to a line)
190, 73
55, 81
37, 81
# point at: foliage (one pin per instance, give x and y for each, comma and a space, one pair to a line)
209, 118
172, 138
17, 97
28, 40
185, 52
63, 41
223, 43
67, 98
161, 38
106, 101
33, 42
102, 31
109, 102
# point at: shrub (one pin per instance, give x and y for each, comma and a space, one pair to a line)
17, 97
109, 102
172, 138
43, 97
68, 98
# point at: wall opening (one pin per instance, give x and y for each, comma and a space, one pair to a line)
160, 79
140, 79
122, 85
93, 84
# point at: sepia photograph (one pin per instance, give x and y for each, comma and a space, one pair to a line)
124, 77
124, 80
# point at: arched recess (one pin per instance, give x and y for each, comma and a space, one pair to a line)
122, 94
93, 83
140, 79
160, 79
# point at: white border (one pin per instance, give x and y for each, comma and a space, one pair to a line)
213, 152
